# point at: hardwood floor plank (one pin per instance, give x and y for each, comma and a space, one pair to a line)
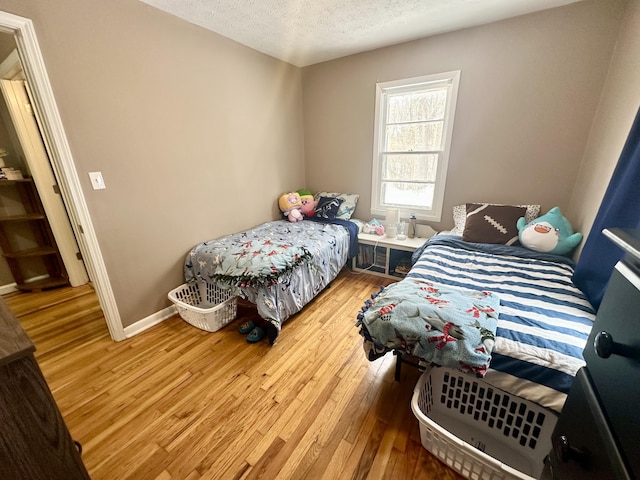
333, 466
179, 403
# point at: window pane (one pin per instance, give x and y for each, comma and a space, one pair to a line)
418, 168
414, 137
417, 106
407, 194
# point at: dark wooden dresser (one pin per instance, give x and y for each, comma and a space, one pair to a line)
34, 441
598, 433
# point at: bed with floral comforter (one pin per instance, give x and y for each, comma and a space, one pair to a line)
280, 266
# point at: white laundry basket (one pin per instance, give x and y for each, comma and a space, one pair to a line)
205, 305
478, 430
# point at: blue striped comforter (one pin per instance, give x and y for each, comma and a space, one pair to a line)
544, 318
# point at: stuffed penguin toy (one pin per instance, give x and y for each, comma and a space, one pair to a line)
550, 233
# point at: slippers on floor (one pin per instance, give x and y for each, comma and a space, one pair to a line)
246, 327
256, 335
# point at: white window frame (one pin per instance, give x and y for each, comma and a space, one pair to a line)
382, 89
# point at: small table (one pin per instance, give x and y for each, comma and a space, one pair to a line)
384, 256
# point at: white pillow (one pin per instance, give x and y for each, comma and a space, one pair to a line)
460, 216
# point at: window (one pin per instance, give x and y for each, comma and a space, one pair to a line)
413, 125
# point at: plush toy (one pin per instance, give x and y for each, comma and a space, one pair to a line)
291, 204
373, 227
309, 204
550, 233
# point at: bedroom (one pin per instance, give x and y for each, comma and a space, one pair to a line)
142, 95
146, 120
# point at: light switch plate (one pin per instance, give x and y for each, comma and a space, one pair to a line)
97, 182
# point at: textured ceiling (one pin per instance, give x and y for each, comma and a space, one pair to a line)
304, 32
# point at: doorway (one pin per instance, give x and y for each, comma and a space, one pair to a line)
22, 31
21, 116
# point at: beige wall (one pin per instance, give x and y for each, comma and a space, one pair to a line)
529, 89
196, 135
615, 114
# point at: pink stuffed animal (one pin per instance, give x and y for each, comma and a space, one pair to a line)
309, 204
291, 205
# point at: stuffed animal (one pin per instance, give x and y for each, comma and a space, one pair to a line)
309, 204
550, 233
291, 204
373, 227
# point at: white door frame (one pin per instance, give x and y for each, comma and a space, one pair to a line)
63, 165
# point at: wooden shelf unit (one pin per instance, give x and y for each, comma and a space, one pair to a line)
45, 249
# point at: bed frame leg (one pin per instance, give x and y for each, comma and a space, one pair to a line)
398, 365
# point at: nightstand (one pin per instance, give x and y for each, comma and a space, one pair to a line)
384, 256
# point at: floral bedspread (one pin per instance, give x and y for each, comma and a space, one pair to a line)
449, 326
296, 262
243, 262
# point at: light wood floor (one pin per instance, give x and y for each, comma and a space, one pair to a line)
176, 402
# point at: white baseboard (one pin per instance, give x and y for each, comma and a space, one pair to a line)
9, 288
150, 321
13, 287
